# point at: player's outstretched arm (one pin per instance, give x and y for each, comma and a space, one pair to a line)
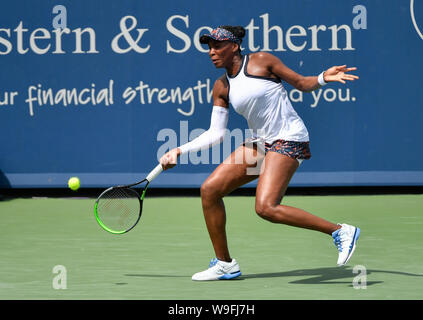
339, 74
308, 83
214, 135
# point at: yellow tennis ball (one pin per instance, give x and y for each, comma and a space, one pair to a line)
74, 183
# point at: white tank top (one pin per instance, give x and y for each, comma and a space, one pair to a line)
265, 105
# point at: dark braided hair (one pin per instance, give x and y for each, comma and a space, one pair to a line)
237, 31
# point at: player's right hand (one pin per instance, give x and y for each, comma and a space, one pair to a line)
170, 159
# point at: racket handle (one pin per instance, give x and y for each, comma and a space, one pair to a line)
154, 173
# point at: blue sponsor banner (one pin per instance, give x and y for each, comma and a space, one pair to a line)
102, 89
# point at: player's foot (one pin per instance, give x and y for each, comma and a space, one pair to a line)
219, 270
345, 240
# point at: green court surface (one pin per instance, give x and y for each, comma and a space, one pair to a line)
155, 260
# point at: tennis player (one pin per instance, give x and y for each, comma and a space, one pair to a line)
253, 85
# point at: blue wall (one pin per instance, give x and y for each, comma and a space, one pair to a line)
364, 133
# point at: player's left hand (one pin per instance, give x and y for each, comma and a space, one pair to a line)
339, 74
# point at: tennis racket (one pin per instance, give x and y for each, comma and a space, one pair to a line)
118, 209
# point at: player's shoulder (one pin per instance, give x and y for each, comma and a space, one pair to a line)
263, 57
221, 92
221, 83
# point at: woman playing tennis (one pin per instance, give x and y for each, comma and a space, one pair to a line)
253, 85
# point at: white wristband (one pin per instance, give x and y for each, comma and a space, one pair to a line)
321, 79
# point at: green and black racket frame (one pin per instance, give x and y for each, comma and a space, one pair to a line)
118, 209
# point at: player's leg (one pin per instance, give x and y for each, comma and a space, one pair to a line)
231, 174
228, 176
273, 182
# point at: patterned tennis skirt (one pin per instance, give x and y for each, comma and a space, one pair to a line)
293, 149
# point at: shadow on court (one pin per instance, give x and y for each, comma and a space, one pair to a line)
157, 275
311, 276
327, 275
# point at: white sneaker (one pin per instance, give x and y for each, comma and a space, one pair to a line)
345, 240
219, 270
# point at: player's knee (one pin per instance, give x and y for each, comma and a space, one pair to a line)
265, 210
209, 190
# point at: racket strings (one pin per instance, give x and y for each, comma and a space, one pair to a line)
119, 208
